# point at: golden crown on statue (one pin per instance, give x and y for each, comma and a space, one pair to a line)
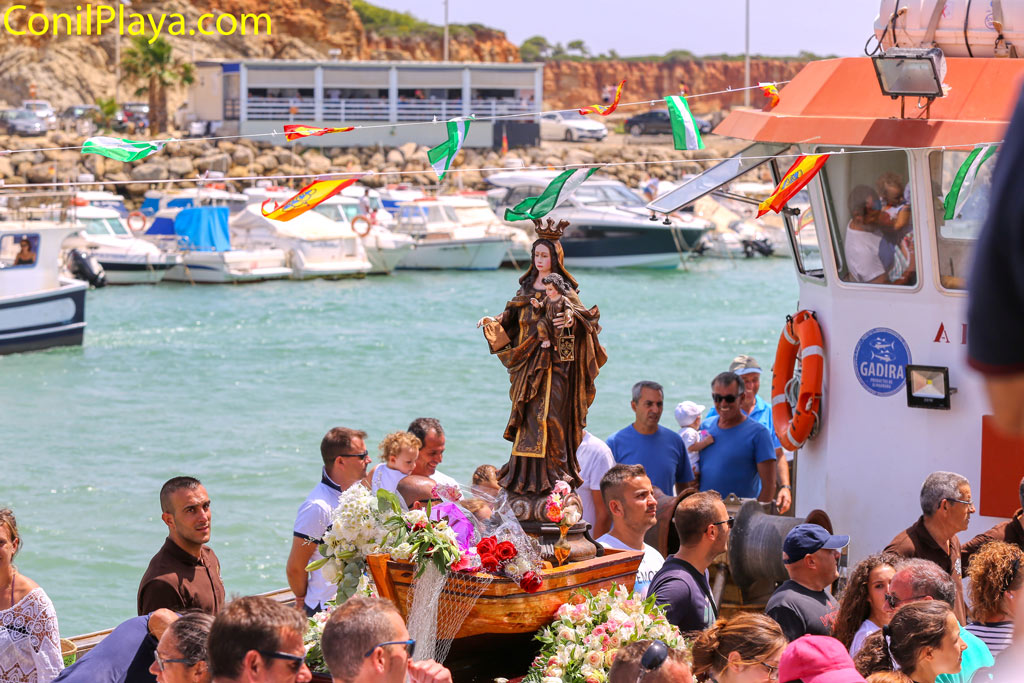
549, 230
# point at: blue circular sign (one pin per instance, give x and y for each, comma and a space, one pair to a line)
880, 361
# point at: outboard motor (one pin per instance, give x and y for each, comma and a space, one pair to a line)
85, 267
757, 246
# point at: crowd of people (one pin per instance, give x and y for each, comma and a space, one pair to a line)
903, 616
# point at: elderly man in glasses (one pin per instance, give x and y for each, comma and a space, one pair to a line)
365, 641
344, 464
946, 505
703, 526
742, 458
257, 640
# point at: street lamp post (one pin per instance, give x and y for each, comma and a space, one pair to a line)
117, 57
746, 61
445, 31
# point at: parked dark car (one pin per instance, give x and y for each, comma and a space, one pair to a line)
659, 122
76, 112
133, 116
23, 122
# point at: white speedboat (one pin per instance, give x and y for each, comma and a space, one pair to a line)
202, 237
444, 243
38, 307
474, 210
316, 246
393, 195
384, 247
609, 227
211, 194
125, 258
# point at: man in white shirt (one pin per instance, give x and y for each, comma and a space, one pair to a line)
863, 242
595, 459
345, 459
428, 430
629, 495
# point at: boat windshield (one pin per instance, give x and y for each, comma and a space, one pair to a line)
103, 226
475, 215
332, 211
960, 210
608, 195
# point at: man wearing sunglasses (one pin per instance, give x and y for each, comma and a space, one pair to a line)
345, 458
257, 640
741, 460
366, 641
946, 507
703, 525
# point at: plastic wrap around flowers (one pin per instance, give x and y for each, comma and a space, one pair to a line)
580, 645
557, 508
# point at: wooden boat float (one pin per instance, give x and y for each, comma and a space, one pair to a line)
500, 607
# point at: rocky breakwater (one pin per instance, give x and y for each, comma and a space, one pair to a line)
29, 161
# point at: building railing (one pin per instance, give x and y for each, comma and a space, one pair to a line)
377, 109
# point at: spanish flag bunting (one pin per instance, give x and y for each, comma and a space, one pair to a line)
771, 92
294, 132
605, 109
306, 199
504, 141
798, 175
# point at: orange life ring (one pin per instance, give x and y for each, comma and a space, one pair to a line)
800, 340
141, 217
364, 219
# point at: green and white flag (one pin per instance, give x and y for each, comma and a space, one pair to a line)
685, 133
442, 155
122, 150
964, 182
557, 191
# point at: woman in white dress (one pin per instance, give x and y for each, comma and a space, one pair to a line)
29, 639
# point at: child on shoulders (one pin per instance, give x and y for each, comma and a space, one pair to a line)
688, 416
398, 452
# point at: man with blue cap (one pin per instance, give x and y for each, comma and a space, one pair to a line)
803, 605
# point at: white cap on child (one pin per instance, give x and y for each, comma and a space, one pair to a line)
687, 412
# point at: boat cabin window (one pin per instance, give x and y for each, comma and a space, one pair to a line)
804, 234
959, 207
332, 211
518, 194
607, 195
19, 251
103, 226
870, 217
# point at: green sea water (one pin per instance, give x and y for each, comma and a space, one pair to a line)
237, 385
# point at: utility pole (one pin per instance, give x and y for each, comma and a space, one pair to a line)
446, 30
117, 57
746, 61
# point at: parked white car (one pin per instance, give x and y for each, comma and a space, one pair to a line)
43, 110
570, 126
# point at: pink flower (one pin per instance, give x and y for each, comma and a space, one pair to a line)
562, 488
553, 512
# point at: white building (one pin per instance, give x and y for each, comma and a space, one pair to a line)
260, 96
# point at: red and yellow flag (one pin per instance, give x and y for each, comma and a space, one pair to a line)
771, 92
798, 175
605, 109
306, 199
294, 132
504, 141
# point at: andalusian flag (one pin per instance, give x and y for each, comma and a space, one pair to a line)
306, 199
963, 183
294, 132
602, 109
798, 175
557, 191
685, 133
771, 91
442, 155
121, 150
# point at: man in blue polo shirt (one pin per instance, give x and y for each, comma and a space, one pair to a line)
659, 449
742, 452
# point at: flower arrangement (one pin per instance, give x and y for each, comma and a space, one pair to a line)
502, 557
580, 645
314, 634
558, 510
412, 536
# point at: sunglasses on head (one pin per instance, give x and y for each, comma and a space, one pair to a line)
728, 398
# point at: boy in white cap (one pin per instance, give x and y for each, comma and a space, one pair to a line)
688, 416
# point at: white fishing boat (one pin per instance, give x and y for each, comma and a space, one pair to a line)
315, 245
384, 247
39, 308
202, 236
125, 258
474, 210
885, 395
444, 243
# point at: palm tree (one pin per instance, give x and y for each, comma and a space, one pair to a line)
154, 63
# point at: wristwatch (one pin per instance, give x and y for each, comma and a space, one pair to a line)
785, 486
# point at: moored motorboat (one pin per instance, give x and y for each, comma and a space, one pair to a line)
474, 210
39, 308
444, 243
125, 258
384, 247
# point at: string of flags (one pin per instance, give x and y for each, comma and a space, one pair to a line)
305, 199
963, 181
685, 132
605, 110
119, 149
296, 132
799, 174
557, 191
441, 156
771, 91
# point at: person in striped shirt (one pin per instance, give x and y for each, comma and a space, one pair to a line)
997, 576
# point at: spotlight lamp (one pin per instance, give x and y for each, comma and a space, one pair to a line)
928, 387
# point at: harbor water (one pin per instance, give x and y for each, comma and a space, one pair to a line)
236, 385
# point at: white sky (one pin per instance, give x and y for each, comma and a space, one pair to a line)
777, 27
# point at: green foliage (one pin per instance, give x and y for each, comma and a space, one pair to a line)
534, 49
578, 46
107, 114
153, 64
385, 22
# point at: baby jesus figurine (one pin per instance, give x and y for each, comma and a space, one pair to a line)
555, 304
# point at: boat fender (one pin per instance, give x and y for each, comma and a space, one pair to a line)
801, 340
85, 267
136, 221
362, 219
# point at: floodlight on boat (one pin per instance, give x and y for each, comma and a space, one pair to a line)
928, 387
911, 72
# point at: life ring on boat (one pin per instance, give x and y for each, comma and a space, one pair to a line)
800, 340
135, 227
364, 219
